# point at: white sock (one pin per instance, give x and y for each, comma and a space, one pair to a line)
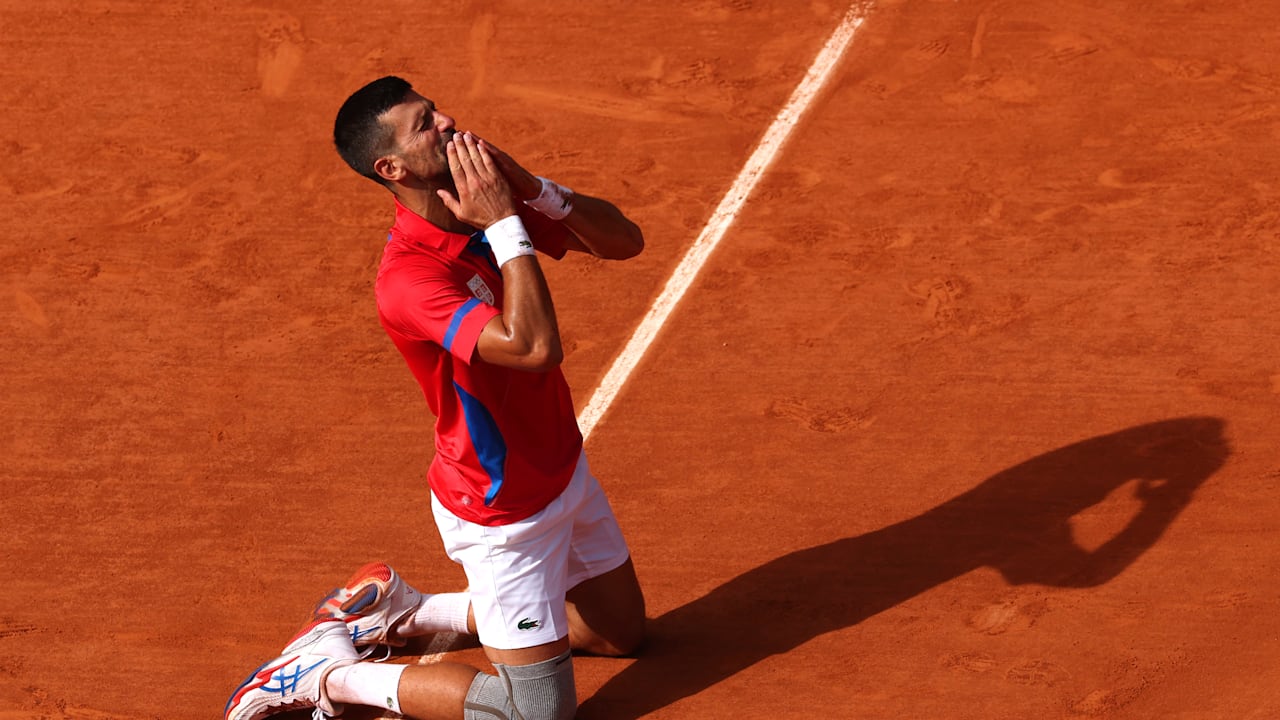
442, 612
366, 683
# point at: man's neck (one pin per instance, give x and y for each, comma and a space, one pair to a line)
427, 204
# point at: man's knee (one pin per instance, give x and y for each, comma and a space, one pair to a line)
541, 691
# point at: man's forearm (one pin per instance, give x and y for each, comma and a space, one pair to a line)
600, 226
603, 229
529, 315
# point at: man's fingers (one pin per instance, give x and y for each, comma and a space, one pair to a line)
523, 183
465, 165
480, 194
474, 163
501, 161
495, 152
477, 156
482, 151
450, 201
456, 167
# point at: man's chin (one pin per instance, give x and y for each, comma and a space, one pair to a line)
442, 179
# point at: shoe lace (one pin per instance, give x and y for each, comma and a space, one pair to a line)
365, 653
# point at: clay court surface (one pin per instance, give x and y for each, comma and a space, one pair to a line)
974, 412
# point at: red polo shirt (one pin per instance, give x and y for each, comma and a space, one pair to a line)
507, 441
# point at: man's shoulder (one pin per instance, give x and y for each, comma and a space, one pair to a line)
404, 260
413, 276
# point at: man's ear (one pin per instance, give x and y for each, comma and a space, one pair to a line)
389, 167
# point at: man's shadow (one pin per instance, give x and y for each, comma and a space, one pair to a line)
1018, 522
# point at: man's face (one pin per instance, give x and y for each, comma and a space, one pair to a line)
421, 133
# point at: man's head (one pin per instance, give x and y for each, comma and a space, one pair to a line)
390, 134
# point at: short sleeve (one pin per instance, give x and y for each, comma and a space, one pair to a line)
420, 305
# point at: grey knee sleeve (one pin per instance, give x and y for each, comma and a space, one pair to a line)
541, 691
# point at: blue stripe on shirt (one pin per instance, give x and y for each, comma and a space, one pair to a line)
456, 322
487, 440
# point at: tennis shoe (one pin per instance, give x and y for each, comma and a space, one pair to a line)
295, 679
372, 603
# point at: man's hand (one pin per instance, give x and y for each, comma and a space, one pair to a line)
524, 184
484, 195
598, 227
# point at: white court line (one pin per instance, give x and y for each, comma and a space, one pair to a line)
723, 217
439, 645
697, 255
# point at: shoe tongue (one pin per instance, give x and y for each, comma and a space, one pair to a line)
335, 643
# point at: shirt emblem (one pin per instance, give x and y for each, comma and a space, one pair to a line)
481, 290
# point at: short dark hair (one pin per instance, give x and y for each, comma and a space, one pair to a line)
359, 135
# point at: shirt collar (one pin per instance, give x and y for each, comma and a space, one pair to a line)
417, 229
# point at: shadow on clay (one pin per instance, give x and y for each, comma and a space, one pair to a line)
1017, 521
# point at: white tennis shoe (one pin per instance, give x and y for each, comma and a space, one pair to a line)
372, 603
295, 679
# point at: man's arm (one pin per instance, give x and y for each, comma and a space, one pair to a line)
598, 226
525, 336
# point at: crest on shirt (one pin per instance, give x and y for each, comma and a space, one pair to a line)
480, 290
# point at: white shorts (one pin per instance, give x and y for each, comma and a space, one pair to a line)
519, 573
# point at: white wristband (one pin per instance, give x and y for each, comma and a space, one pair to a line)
554, 201
508, 239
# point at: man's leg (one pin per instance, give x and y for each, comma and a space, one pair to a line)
604, 604
320, 668
422, 692
539, 690
606, 613
532, 684
380, 608
604, 601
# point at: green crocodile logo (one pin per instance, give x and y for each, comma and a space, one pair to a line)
527, 624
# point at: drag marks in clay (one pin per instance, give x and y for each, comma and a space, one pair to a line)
939, 298
948, 305
1130, 676
973, 662
1191, 136
1038, 672
42, 704
1195, 69
595, 103
1067, 48
1102, 702
1226, 599
930, 50
19, 176
13, 628
1117, 190
479, 39
29, 308
1012, 615
917, 62
163, 202
280, 51
820, 420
